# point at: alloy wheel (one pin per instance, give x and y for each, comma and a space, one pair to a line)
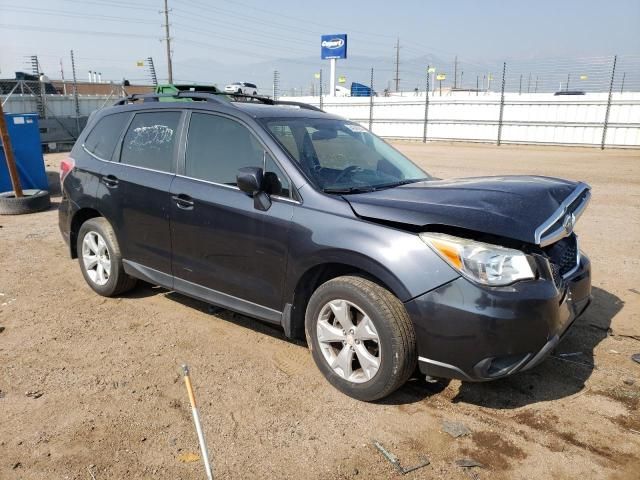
349, 341
96, 258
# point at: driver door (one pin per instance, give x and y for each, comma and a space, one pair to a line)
224, 247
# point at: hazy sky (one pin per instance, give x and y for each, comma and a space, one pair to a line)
111, 35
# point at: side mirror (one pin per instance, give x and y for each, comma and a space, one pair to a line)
249, 180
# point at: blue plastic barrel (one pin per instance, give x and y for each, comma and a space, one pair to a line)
25, 141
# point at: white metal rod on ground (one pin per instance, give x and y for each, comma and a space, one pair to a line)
196, 420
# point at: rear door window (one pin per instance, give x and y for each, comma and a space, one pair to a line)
150, 141
102, 140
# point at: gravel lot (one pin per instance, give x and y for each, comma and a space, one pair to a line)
90, 387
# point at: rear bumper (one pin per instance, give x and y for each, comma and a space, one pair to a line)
475, 333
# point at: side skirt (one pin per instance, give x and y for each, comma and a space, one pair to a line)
202, 293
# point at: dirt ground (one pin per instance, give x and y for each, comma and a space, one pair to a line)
90, 387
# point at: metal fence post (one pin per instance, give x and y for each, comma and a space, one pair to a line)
276, 84
371, 102
504, 72
321, 104
520, 88
606, 115
75, 95
426, 108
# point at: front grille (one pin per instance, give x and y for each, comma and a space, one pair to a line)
563, 257
565, 217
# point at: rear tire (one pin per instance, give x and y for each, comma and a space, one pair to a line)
377, 330
100, 258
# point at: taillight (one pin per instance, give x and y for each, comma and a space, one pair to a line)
66, 166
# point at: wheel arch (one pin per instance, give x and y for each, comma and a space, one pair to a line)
317, 274
79, 217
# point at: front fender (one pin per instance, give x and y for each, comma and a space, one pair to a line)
399, 259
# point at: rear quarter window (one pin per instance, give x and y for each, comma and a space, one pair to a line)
104, 136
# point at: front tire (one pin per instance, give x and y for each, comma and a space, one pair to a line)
361, 337
100, 258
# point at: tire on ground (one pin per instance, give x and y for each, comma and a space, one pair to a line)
392, 323
119, 282
33, 201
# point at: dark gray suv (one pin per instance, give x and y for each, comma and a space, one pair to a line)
308, 221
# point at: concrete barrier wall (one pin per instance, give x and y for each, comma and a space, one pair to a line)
528, 118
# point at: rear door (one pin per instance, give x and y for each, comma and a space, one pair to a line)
220, 241
135, 190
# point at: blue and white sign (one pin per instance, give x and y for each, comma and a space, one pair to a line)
333, 46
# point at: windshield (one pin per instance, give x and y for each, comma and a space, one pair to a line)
343, 157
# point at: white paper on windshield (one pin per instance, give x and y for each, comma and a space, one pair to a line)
355, 128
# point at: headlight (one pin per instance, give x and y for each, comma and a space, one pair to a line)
481, 262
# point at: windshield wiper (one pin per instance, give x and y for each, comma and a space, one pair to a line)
399, 183
371, 188
347, 190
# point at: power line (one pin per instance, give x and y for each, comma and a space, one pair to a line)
72, 32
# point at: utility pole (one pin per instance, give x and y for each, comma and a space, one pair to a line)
455, 73
167, 39
397, 77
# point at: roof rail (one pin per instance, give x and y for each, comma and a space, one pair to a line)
305, 106
155, 97
216, 97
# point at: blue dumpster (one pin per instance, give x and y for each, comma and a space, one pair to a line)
25, 141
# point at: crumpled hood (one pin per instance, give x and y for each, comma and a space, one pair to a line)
507, 206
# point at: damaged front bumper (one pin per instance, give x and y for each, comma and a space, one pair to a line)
476, 333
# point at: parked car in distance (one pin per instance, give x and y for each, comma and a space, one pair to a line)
342, 91
245, 88
312, 223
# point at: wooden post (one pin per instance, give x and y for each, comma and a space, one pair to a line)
8, 153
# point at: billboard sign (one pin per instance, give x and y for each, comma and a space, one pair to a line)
333, 46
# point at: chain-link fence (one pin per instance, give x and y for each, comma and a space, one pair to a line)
585, 101
579, 74
62, 110
515, 102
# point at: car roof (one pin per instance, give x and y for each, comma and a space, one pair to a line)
255, 110
258, 110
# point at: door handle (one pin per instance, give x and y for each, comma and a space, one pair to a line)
183, 201
110, 181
